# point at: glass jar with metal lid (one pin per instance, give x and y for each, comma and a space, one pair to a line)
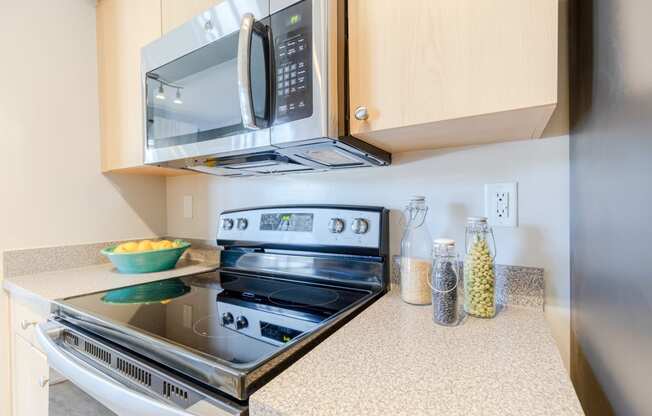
445, 278
479, 269
416, 254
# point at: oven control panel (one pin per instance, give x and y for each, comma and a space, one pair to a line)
303, 226
292, 31
272, 328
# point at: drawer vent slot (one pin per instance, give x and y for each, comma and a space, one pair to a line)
173, 392
97, 352
71, 339
134, 372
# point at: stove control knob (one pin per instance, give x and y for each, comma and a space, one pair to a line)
227, 224
227, 318
242, 224
360, 226
241, 322
336, 225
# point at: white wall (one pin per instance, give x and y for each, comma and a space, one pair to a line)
452, 181
51, 188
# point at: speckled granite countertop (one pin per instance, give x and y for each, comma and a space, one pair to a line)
49, 286
393, 360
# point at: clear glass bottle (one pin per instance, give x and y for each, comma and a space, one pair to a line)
479, 269
445, 279
416, 254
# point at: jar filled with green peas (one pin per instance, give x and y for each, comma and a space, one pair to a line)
479, 269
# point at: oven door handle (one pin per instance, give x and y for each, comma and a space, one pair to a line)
114, 395
244, 72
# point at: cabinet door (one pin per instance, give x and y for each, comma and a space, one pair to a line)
123, 28
178, 12
422, 62
30, 374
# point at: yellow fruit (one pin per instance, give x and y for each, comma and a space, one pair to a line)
129, 246
145, 245
162, 245
120, 249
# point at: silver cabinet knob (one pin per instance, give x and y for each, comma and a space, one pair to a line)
242, 223
360, 226
361, 113
227, 223
26, 324
336, 225
43, 381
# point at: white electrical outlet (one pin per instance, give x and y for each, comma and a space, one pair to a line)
501, 204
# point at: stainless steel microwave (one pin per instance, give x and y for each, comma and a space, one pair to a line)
253, 87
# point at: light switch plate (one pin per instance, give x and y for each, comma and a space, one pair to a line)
187, 206
501, 204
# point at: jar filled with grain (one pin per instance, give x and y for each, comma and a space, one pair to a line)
416, 254
479, 269
445, 278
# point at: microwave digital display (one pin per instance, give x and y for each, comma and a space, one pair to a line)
294, 19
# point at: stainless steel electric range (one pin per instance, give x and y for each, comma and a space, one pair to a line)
289, 276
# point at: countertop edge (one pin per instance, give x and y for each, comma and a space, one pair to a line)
100, 277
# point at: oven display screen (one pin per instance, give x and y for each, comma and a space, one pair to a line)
286, 222
278, 333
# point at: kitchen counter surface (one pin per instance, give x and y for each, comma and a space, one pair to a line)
393, 360
49, 286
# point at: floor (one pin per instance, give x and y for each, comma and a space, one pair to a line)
66, 399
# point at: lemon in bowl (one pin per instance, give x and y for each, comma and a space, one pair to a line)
145, 256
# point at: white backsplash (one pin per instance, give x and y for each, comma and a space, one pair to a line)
452, 180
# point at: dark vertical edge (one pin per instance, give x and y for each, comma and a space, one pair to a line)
343, 67
580, 50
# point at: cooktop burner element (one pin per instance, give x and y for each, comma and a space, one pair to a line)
209, 327
287, 278
304, 296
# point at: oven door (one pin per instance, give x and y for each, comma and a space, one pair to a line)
207, 85
130, 394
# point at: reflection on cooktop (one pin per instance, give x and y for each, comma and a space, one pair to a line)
314, 302
155, 292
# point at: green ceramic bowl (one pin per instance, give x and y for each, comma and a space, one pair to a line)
145, 261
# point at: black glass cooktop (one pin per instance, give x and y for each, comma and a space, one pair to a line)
311, 302
185, 310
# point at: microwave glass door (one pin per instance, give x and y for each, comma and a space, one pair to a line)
196, 98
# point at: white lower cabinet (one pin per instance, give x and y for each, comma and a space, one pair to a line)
30, 373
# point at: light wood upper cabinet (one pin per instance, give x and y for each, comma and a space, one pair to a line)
437, 73
178, 12
123, 28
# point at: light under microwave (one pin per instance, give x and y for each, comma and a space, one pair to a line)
256, 78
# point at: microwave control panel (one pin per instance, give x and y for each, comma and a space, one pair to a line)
292, 31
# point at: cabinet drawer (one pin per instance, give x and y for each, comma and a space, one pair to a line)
24, 317
30, 375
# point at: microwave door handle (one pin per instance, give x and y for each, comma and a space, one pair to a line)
244, 72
